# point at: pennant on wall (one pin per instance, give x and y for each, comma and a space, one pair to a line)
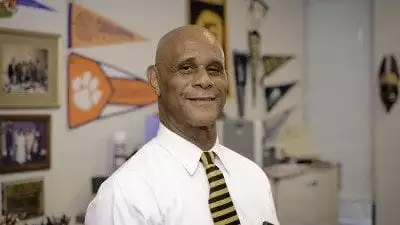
9, 7
97, 90
87, 28
389, 81
240, 62
210, 14
272, 126
275, 93
37, 4
273, 62
254, 39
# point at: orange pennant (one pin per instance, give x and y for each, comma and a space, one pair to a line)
97, 90
87, 28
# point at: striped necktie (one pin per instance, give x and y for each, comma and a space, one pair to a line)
221, 206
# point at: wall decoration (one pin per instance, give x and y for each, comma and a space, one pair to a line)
271, 63
25, 143
254, 46
210, 14
36, 4
24, 197
8, 8
257, 12
97, 90
87, 28
273, 125
389, 81
240, 63
30, 62
275, 93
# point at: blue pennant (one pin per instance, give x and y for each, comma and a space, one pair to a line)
35, 4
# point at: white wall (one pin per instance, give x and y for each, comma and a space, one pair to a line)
338, 94
79, 154
387, 125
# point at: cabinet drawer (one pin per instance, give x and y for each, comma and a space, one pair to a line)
294, 198
326, 196
309, 197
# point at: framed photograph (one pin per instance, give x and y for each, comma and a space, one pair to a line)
24, 198
212, 15
29, 67
25, 143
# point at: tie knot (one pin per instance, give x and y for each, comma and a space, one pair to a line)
207, 158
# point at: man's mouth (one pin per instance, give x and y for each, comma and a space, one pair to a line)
204, 99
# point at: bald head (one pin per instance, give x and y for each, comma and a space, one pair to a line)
174, 38
189, 77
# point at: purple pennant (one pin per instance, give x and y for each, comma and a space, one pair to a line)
35, 4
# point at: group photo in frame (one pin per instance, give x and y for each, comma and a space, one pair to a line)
29, 67
25, 142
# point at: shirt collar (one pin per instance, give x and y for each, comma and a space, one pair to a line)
187, 153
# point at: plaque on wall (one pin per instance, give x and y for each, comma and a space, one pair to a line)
24, 197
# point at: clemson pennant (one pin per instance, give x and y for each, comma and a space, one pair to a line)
97, 90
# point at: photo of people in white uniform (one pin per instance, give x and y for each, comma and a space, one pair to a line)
23, 143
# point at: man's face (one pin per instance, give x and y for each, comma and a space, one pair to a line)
193, 82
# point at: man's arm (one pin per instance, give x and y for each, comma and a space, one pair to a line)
112, 206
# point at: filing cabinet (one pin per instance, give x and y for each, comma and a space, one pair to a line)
307, 195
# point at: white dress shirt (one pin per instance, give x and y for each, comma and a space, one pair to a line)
164, 183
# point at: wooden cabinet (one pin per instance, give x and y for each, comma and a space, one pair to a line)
306, 194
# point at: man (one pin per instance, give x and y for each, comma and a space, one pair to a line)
11, 71
184, 176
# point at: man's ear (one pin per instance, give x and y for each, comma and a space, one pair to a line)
152, 76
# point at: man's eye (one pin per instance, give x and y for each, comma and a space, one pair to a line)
186, 69
214, 71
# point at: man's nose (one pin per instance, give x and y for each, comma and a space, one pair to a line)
203, 79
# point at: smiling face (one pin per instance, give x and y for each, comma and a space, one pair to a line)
192, 83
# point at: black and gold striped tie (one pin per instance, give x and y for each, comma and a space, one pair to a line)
221, 206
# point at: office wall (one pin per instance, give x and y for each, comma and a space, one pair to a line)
338, 94
81, 153
387, 125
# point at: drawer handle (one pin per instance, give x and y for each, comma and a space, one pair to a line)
312, 183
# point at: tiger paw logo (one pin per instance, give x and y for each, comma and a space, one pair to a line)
10, 6
86, 93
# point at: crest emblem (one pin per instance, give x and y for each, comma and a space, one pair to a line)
389, 79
